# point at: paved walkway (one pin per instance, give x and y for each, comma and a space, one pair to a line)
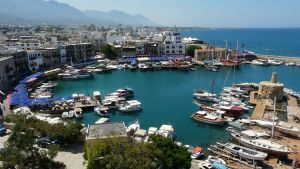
292, 101
258, 112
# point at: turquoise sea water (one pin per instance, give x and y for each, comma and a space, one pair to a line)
166, 96
284, 42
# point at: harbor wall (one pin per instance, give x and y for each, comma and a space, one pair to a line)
279, 58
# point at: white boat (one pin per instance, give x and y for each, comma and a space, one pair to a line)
280, 126
65, 115
249, 139
102, 111
246, 153
133, 127
102, 120
259, 62
152, 130
215, 118
166, 131
78, 113
212, 159
131, 106
49, 85
290, 64
110, 103
274, 62
205, 165
143, 66
202, 95
230, 109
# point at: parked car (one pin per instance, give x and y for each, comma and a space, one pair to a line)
44, 142
2, 130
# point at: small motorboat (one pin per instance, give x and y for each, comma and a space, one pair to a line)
133, 127
212, 159
78, 113
197, 153
102, 111
131, 106
102, 120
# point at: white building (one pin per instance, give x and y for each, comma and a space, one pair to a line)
113, 37
35, 60
173, 43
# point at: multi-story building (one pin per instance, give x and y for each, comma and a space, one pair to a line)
7, 72
173, 44
23, 44
144, 48
125, 50
213, 53
80, 51
20, 61
35, 60
51, 57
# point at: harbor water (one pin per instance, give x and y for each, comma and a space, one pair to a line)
166, 96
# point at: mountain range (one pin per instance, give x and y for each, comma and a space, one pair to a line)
52, 12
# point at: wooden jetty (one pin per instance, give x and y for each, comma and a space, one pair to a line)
87, 105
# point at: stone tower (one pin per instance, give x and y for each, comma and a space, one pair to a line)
268, 89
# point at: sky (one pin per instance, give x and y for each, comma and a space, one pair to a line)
204, 13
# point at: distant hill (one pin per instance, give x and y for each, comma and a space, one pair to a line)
119, 17
52, 12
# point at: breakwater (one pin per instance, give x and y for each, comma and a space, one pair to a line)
279, 58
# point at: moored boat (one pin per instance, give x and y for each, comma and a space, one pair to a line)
249, 139
131, 106
231, 110
166, 131
197, 153
244, 152
102, 120
215, 118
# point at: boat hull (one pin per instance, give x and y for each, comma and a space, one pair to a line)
266, 150
207, 121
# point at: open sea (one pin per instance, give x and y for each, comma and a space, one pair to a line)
283, 42
166, 96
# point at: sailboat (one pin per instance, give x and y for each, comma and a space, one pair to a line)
250, 139
202, 95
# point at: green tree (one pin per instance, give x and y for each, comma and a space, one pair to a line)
191, 50
19, 151
109, 51
167, 154
125, 153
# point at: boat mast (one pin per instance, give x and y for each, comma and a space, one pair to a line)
237, 48
212, 89
273, 124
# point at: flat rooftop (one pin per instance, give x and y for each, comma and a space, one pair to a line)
105, 130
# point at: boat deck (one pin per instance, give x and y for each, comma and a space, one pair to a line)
258, 112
